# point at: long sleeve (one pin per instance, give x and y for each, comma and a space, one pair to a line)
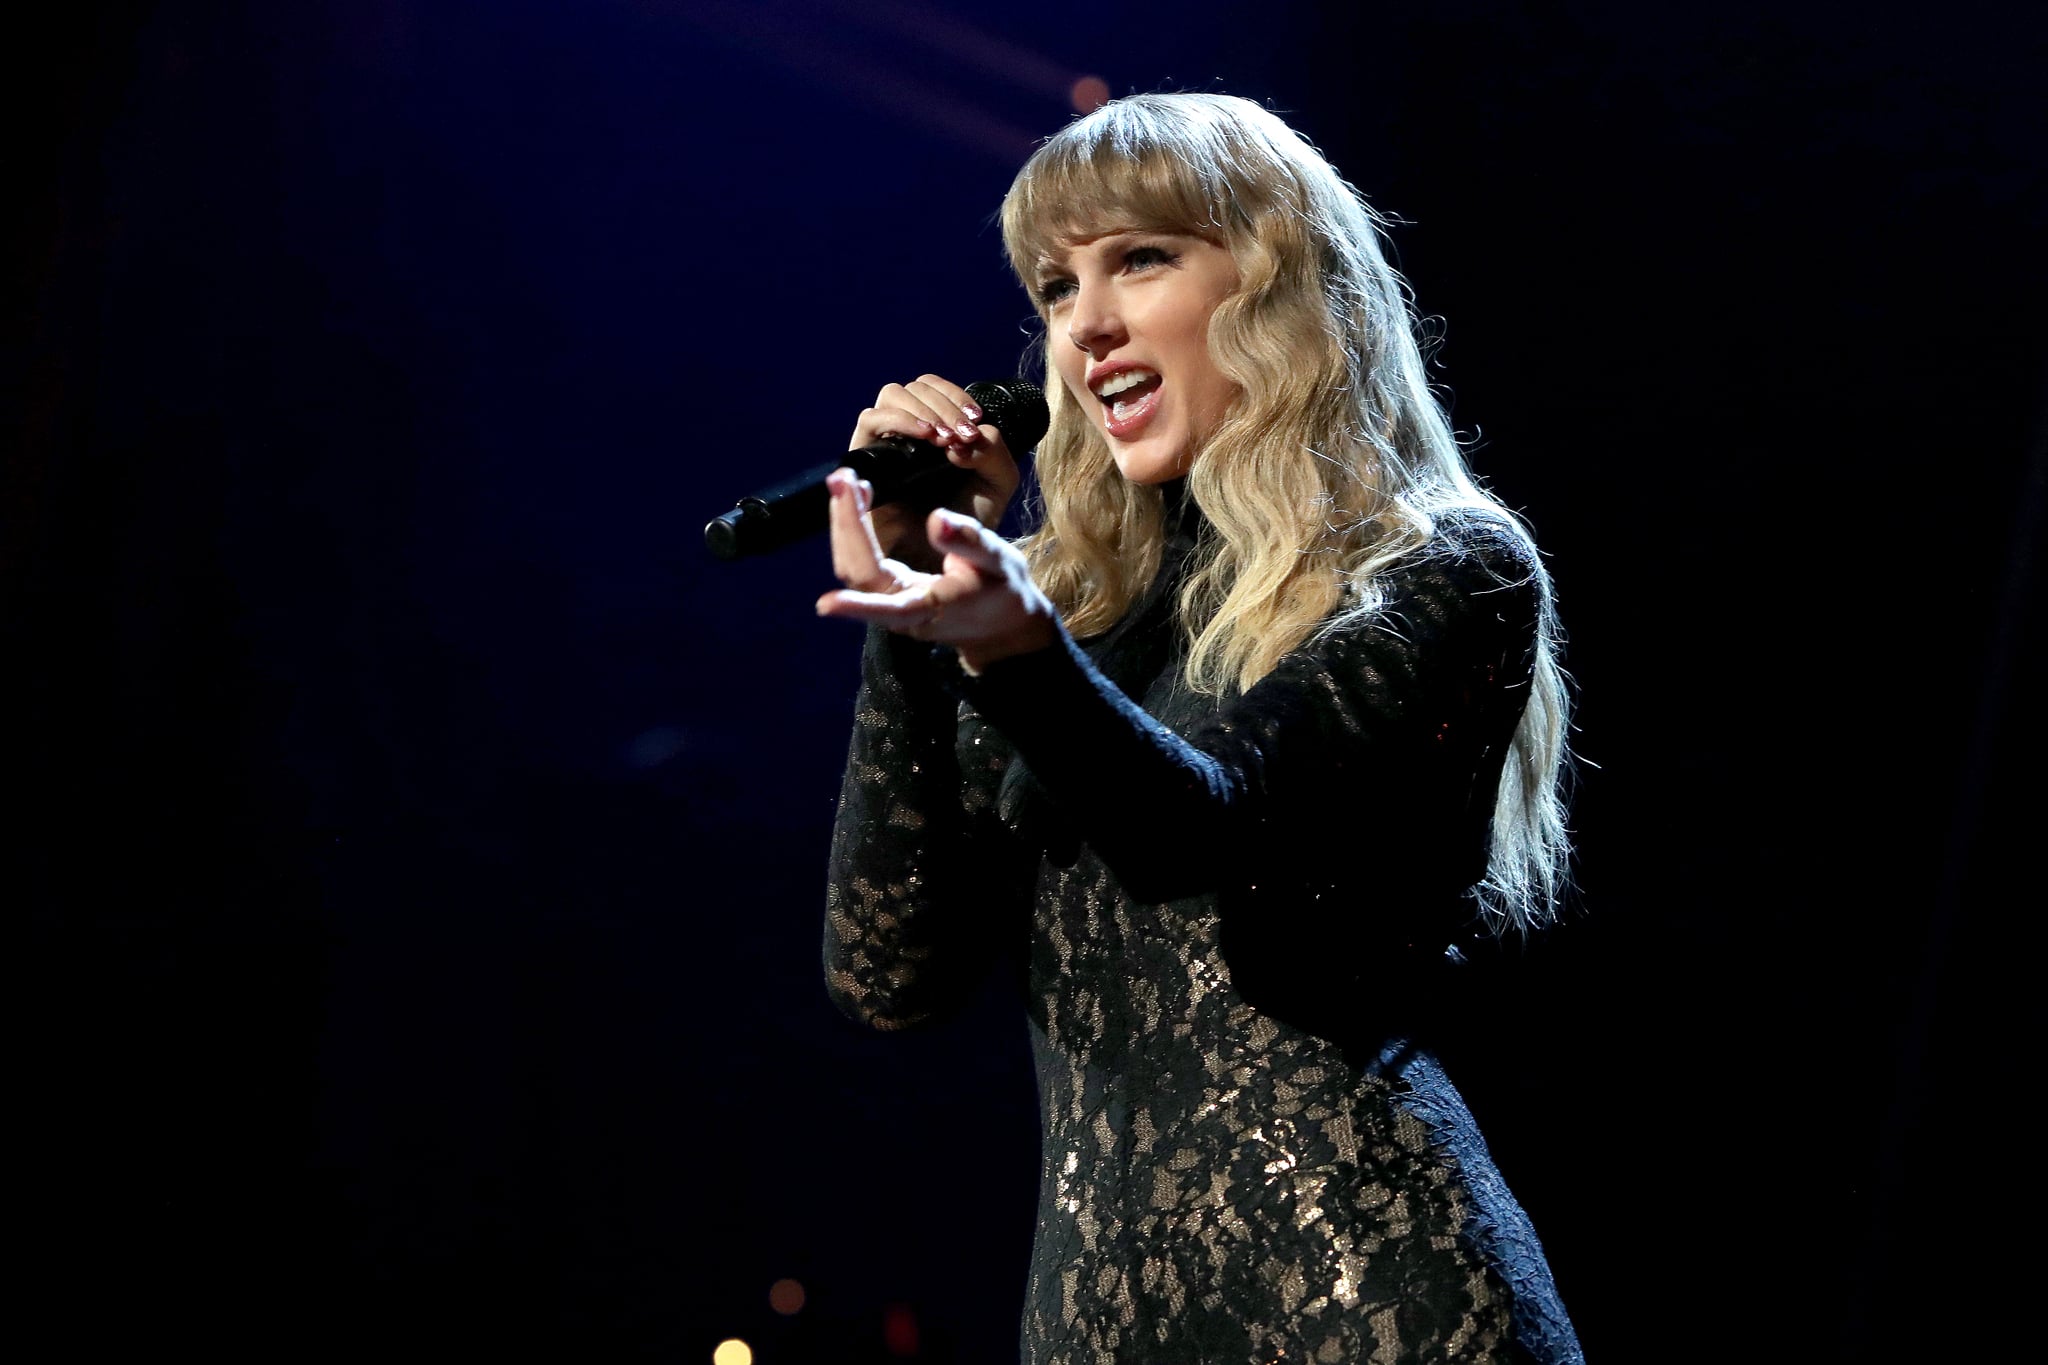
1234, 974
925, 885
1393, 730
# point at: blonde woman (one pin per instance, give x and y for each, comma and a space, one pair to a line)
1227, 758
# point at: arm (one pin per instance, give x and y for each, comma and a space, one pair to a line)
1374, 737
924, 883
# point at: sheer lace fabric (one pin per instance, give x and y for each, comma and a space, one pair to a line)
1231, 919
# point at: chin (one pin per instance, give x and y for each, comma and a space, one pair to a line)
1152, 467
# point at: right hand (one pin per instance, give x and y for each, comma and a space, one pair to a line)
940, 412
981, 601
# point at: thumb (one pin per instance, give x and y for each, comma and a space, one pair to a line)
954, 534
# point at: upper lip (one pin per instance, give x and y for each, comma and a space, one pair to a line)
1110, 368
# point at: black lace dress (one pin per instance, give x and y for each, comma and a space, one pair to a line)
1235, 921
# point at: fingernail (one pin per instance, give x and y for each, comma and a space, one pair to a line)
967, 432
972, 411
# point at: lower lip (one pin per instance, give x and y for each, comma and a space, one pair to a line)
1134, 419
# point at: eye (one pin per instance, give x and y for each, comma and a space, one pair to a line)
1146, 257
1053, 291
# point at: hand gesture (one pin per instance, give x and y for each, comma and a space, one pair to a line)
940, 412
981, 601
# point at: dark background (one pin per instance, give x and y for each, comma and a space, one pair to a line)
417, 840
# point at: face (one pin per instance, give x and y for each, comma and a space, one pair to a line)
1128, 314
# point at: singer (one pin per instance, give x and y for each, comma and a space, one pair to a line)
1233, 763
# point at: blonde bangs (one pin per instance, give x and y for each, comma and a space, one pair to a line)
1124, 168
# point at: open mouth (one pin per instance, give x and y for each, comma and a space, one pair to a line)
1129, 397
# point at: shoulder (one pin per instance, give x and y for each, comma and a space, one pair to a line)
1474, 557
1480, 547
1476, 586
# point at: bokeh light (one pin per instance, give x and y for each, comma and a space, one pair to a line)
786, 1297
733, 1351
899, 1330
1089, 94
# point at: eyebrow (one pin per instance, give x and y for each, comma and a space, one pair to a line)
1046, 263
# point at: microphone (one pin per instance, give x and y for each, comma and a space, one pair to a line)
901, 469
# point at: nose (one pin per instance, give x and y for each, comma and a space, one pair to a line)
1093, 322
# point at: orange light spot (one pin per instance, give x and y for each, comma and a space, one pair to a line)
1089, 94
786, 1297
732, 1351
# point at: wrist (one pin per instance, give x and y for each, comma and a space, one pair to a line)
1040, 632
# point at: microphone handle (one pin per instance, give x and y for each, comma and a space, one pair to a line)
901, 470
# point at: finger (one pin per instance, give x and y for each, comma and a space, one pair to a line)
856, 556
883, 423
948, 403
969, 456
848, 563
929, 406
963, 537
903, 609
956, 398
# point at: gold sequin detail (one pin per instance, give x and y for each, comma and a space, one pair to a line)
1220, 1182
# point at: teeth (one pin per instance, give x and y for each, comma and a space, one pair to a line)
1123, 379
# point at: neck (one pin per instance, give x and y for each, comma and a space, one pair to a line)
1178, 508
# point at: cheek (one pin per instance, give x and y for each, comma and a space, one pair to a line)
1073, 380
1213, 392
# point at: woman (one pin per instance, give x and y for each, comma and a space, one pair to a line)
1234, 752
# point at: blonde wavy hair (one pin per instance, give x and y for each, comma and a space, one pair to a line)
1331, 466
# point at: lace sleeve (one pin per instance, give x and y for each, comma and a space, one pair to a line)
924, 883
1368, 739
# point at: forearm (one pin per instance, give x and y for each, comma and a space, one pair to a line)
1381, 725
1168, 817
917, 890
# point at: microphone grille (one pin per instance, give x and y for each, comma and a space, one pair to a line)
1015, 407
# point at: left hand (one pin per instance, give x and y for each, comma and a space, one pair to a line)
982, 601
